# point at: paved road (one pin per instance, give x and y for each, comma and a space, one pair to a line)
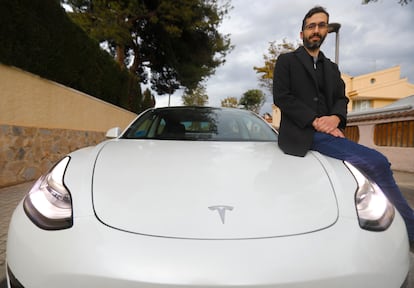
10, 197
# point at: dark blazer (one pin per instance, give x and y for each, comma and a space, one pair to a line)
296, 92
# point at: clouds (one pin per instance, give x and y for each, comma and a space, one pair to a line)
375, 37
372, 37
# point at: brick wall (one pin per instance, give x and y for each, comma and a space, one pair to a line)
28, 152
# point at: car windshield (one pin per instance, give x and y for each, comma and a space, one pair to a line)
200, 123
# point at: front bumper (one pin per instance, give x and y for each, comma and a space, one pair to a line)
91, 254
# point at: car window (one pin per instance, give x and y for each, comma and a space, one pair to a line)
200, 123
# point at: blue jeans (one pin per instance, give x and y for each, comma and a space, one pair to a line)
373, 164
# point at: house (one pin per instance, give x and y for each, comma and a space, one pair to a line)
376, 89
389, 129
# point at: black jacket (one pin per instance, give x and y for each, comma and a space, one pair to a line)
295, 92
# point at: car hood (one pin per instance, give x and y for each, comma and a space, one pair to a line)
210, 190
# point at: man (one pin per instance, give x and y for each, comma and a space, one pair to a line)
310, 93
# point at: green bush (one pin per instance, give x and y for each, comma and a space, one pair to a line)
38, 36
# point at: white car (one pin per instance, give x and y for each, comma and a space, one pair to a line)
203, 197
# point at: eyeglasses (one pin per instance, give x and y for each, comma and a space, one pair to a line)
312, 26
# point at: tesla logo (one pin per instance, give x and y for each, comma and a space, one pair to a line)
221, 209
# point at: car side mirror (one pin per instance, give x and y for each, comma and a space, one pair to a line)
113, 132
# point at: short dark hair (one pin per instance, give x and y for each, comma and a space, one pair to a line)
314, 10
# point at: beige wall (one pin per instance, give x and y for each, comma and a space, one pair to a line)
41, 121
401, 158
30, 101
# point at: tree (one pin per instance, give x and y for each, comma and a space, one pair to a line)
231, 102
148, 100
401, 2
266, 72
176, 42
253, 100
195, 97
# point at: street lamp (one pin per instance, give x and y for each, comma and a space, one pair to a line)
334, 27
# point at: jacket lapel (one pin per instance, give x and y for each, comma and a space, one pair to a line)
304, 58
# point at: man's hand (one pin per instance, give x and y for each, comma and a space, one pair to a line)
329, 125
337, 133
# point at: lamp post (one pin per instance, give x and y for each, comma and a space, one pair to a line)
334, 27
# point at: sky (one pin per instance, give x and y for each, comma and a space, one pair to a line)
372, 37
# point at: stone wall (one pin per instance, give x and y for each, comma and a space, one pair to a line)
28, 152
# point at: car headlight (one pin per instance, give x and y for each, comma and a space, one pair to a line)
375, 212
49, 204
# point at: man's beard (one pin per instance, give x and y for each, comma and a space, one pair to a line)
311, 45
